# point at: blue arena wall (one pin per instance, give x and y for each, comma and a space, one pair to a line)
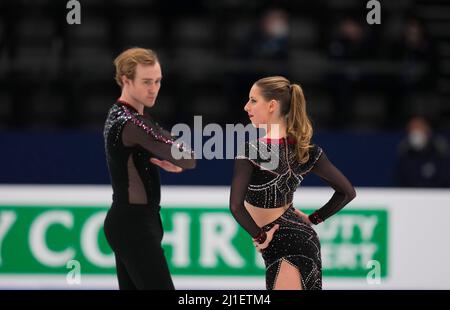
78, 158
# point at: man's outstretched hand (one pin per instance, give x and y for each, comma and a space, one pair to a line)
166, 165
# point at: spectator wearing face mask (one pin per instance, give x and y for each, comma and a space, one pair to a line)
264, 50
269, 41
423, 158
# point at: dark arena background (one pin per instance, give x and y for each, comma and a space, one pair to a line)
376, 77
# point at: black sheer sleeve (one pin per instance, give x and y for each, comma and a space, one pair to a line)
243, 169
150, 121
344, 191
157, 142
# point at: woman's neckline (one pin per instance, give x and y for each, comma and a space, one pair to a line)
281, 140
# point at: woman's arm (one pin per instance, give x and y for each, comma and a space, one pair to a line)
344, 191
243, 169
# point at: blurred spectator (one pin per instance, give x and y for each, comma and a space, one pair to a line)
423, 158
270, 40
350, 43
416, 53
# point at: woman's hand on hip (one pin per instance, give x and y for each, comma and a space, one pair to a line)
261, 246
303, 216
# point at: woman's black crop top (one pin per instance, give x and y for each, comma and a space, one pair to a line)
267, 173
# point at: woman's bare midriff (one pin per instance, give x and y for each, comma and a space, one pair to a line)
263, 216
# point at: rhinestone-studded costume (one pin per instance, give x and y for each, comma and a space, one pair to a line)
133, 224
267, 183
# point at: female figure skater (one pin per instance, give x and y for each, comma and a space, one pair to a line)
261, 198
135, 145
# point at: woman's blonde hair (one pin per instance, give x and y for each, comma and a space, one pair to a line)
293, 107
128, 60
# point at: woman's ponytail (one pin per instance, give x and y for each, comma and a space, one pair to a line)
298, 123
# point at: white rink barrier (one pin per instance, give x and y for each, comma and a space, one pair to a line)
52, 237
